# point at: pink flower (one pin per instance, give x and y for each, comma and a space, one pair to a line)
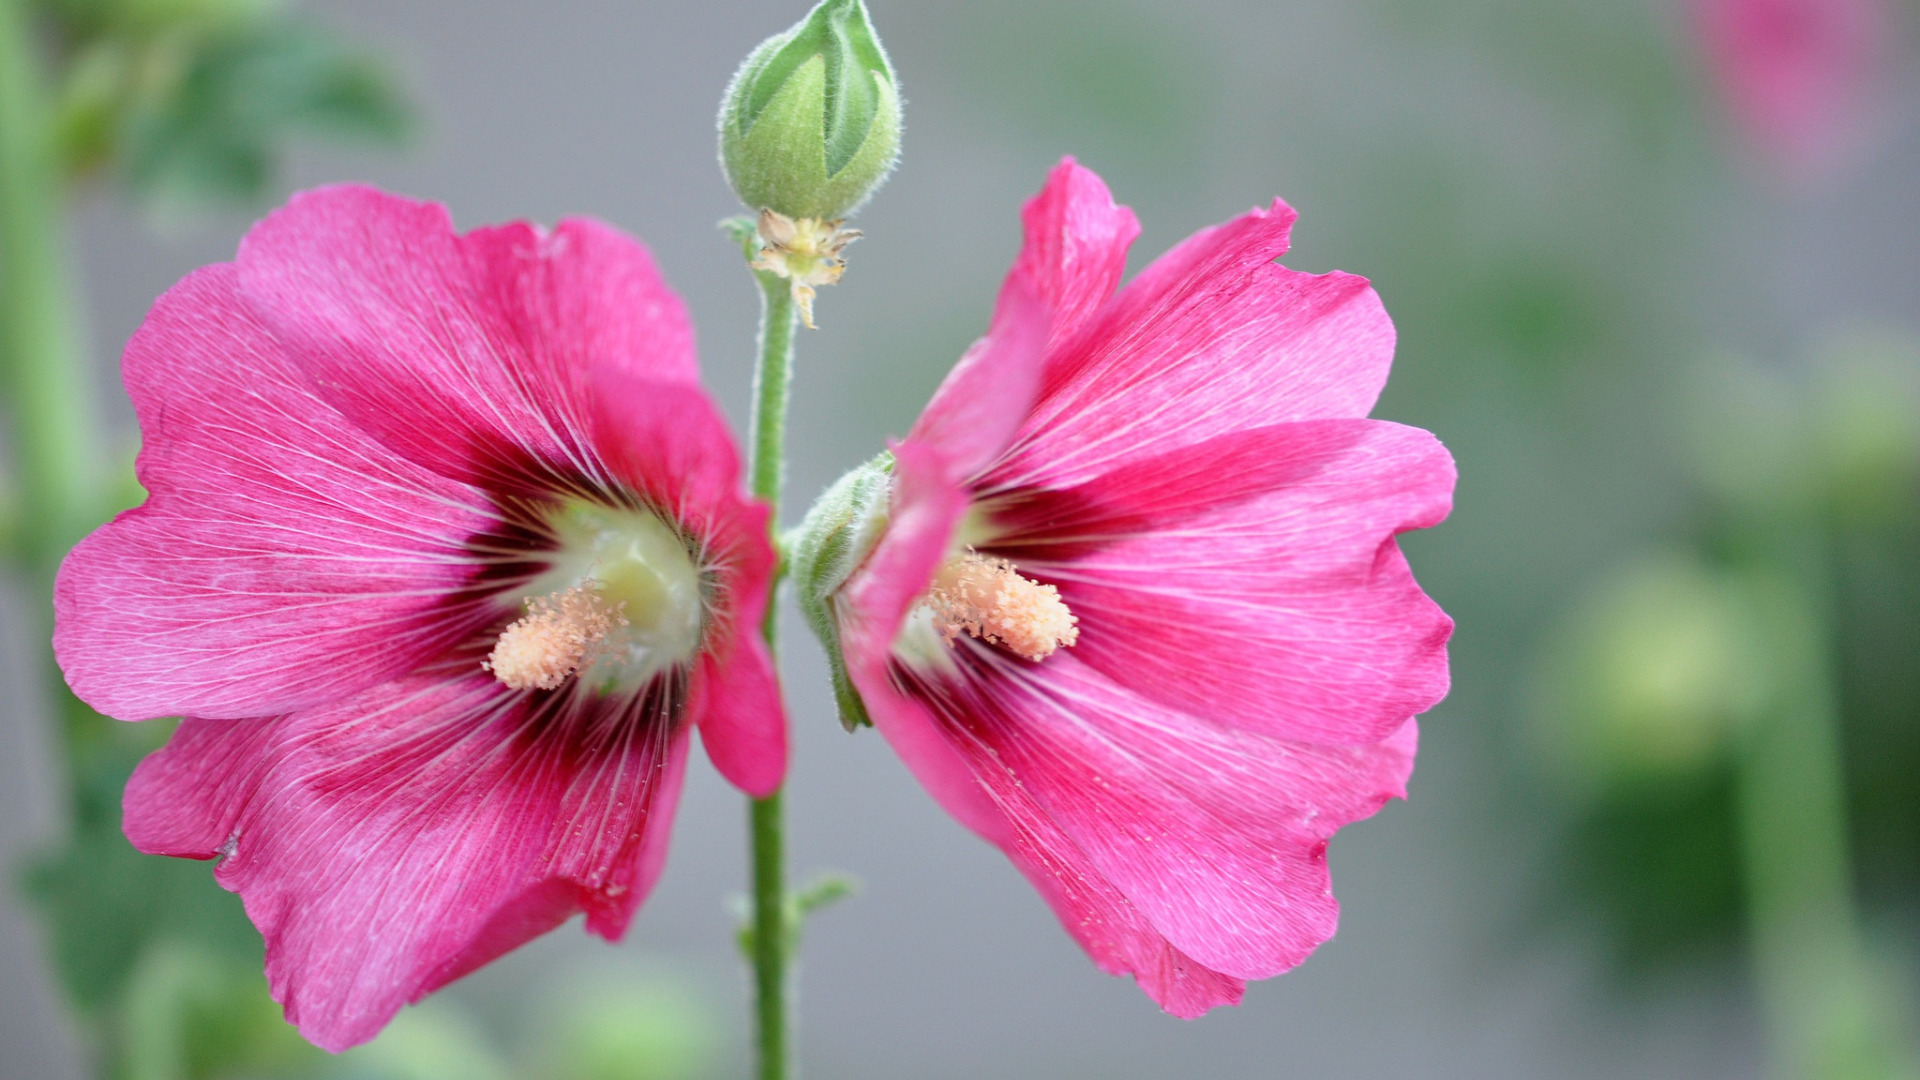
1794, 73
444, 560
1137, 615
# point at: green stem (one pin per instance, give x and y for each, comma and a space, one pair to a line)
770, 948
40, 359
1826, 1013
42, 374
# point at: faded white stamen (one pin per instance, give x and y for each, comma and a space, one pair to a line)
558, 636
805, 251
987, 598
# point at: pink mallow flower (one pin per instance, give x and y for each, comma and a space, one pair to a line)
444, 559
1795, 75
1134, 611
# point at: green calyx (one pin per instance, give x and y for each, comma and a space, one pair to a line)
810, 125
823, 552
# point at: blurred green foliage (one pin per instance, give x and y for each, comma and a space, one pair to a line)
189, 102
1647, 679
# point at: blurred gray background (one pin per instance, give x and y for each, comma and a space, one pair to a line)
1469, 156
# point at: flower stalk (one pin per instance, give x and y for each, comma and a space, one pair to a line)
1824, 1006
40, 357
769, 947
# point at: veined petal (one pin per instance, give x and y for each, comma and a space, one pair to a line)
1253, 580
1115, 934
980, 403
668, 444
1076, 246
283, 557
1214, 337
1074, 253
1217, 837
391, 843
466, 353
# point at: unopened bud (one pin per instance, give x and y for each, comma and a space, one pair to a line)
810, 125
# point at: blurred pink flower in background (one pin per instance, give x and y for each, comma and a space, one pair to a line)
1138, 616
444, 558
1795, 75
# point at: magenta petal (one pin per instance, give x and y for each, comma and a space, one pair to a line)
742, 720
463, 353
1217, 837
1076, 246
1212, 338
669, 444
1112, 931
1254, 580
1075, 251
282, 558
981, 401
389, 844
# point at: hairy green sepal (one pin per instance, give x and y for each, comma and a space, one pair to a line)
839, 530
810, 125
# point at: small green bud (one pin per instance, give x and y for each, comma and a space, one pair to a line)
810, 125
825, 549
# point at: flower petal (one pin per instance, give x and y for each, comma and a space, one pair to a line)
980, 403
926, 507
1110, 928
1076, 246
1254, 580
389, 844
669, 444
742, 719
1214, 337
463, 353
1075, 251
1217, 837
282, 558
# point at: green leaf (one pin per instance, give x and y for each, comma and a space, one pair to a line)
216, 131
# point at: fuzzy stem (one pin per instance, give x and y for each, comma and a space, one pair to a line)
770, 949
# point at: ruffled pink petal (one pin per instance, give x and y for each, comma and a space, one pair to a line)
1113, 932
1217, 837
1076, 246
1254, 580
283, 557
393, 842
1075, 251
980, 403
463, 353
1213, 338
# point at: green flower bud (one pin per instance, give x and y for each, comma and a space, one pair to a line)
810, 125
828, 546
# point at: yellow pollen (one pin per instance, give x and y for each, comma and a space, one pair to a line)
989, 599
557, 637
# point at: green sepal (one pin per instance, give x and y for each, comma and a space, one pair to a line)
810, 125
824, 550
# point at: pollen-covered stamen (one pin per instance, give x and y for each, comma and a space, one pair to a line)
558, 636
987, 597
